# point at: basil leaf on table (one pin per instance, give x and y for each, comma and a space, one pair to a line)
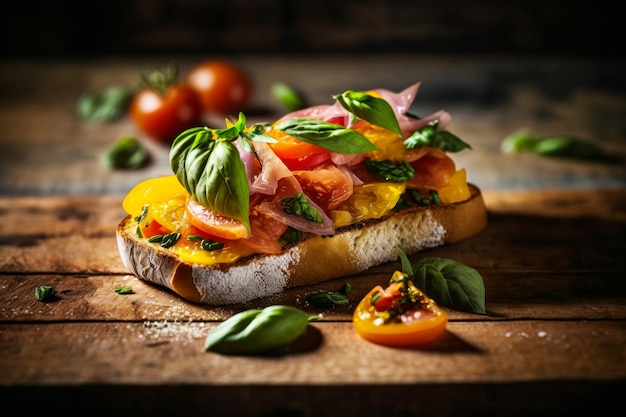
258, 330
450, 284
330, 136
369, 108
211, 171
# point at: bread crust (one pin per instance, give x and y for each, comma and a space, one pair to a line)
317, 259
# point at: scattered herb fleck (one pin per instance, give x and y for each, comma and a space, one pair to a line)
124, 290
44, 292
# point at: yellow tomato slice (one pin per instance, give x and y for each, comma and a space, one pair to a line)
368, 201
412, 329
456, 189
150, 191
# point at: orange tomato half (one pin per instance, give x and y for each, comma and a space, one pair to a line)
412, 328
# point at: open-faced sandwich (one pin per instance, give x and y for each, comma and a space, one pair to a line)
323, 192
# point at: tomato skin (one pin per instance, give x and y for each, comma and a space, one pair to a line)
163, 116
223, 88
295, 154
418, 327
213, 223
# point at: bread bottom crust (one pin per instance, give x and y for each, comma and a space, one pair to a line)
317, 259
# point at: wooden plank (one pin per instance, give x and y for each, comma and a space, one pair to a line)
172, 353
509, 296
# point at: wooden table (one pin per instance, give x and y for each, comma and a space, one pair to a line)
553, 341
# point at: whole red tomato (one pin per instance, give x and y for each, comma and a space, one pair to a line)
164, 107
223, 88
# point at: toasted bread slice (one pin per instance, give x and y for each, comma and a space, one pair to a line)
316, 259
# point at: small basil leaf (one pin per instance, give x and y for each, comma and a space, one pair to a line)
330, 136
430, 135
257, 331
211, 171
450, 284
369, 108
126, 153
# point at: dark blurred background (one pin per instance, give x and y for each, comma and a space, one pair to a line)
72, 28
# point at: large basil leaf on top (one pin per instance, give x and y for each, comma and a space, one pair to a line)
451, 284
212, 172
330, 136
372, 109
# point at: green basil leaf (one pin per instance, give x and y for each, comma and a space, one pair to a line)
126, 153
450, 284
107, 105
330, 136
430, 135
326, 299
407, 268
212, 172
387, 170
257, 331
369, 108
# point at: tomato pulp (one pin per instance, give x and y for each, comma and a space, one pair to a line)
400, 315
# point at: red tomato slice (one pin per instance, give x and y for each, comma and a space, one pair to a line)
327, 186
432, 170
295, 153
265, 234
214, 223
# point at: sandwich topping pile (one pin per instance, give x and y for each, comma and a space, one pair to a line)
247, 190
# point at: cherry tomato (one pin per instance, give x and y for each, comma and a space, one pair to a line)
223, 88
382, 318
295, 154
163, 117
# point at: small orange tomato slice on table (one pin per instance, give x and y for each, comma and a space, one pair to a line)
382, 319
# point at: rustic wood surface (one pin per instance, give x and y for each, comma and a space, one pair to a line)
553, 341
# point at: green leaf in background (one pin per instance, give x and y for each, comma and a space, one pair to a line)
105, 106
369, 108
126, 153
287, 96
555, 146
